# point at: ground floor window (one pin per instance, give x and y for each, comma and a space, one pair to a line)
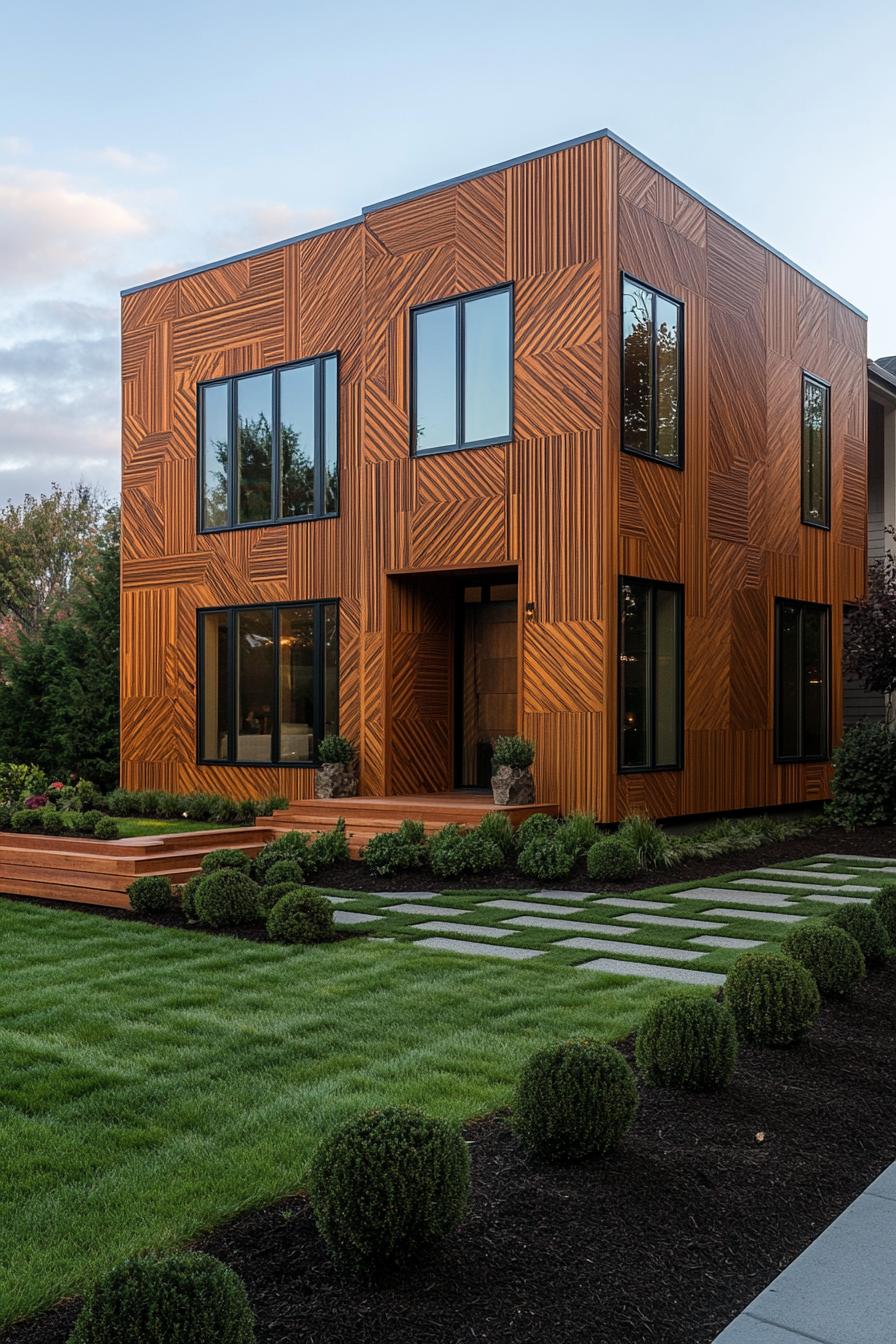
802, 681
650, 675
268, 683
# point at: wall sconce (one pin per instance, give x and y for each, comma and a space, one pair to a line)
530, 611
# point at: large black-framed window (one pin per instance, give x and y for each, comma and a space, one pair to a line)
816, 451
269, 445
652, 416
802, 681
268, 679
651, 675
462, 372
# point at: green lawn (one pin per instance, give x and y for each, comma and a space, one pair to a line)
132, 826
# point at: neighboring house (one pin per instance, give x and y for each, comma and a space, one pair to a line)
858, 703
555, 448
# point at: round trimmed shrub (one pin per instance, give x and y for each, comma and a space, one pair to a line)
301, 916
220, 859
188, 1298
329, 848
454, 851
537, 823
27, 819
226, 898
831, 956
152, 895
687, 1042
866, 926
546, 857
285, 870
573, 1100
387, 1184
106, 829
270, 894
398, 851
884, 903
292, 845
612, 860
187, 895
52, 821
774, 999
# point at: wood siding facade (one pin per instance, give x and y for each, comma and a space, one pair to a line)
560, 505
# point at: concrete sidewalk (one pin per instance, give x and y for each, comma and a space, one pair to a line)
841, 1290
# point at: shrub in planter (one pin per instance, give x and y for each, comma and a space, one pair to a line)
774, 999
329, 848
577, 833
512, 782
106, 829
187, 1298
387, 1185
454, 851
866, 926
539, 823
285, 870
495, 827
152, 895
335, 750
546, 857
337, 773
52, 821
226, 858
5, 817
610, 859
293, 845
573, 1100
883, 902
121, 803
396, 851
226, 898
687, 1042
864, 780
831, 956
82, 823
27, 819
301, 916
269, 895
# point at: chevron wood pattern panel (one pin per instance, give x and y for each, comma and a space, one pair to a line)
560, 505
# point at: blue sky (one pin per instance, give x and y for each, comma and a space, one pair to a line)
140, 140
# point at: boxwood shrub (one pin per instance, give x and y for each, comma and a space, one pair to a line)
386, 1185
27, 819
285, 870
537, 823
610, 859
515, 751
329, 848
188, 1298
831, 956
574, 1100
866, 926
686, 1041
396, 851
53, 822
226, 858
226, 898
495, 826
301, 915
152, 895
774, 999
270, 894
106, 829
293, 845
187, 895
455, 851
884, 903
546, 857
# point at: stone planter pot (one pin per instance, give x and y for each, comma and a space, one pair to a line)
513, 786
335, 780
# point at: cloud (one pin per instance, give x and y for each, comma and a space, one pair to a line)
128, 162
13, 145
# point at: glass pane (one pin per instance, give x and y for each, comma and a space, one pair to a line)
215, 434
788, 707
297, 440
214, 690
634, 674
815, 682
435, 378
815, 441
487, 367
331, 436
331, 668
667, 378
297, 684
666, 675
255, 684
637, 366
254, 397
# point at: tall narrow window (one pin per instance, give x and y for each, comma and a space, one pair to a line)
650, 675
461, 372
270, 446
268, 683
652, 373
816, 455
802, 693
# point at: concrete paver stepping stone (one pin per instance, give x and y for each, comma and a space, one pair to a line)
765, 916
630, 903
404, 895
668, 921
829, 898
681, 974
802, 874
474, 930
726, 944
760, 898
636, 949
353, 917
479, 949
540, 922
802, 887
412, 908
557, 895
531, 908
860, 858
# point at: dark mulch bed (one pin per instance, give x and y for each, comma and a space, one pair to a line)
708, 1198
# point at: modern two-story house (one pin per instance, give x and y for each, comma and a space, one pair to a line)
555, 447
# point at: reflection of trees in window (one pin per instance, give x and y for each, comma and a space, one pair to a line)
815, 451
256, 462
297, 474
651, 372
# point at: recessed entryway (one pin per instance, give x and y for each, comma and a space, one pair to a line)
486, 668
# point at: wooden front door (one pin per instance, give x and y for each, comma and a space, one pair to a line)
486, 676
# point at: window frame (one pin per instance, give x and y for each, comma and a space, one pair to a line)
278, 520
457, 301
319, 681
656, 292
621, 768
780, 759
807, 377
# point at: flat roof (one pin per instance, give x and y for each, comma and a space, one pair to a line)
604, 134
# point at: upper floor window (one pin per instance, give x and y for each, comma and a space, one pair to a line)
651, 655
652, 373
802, 690
461, 356
816, 456
269, 448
